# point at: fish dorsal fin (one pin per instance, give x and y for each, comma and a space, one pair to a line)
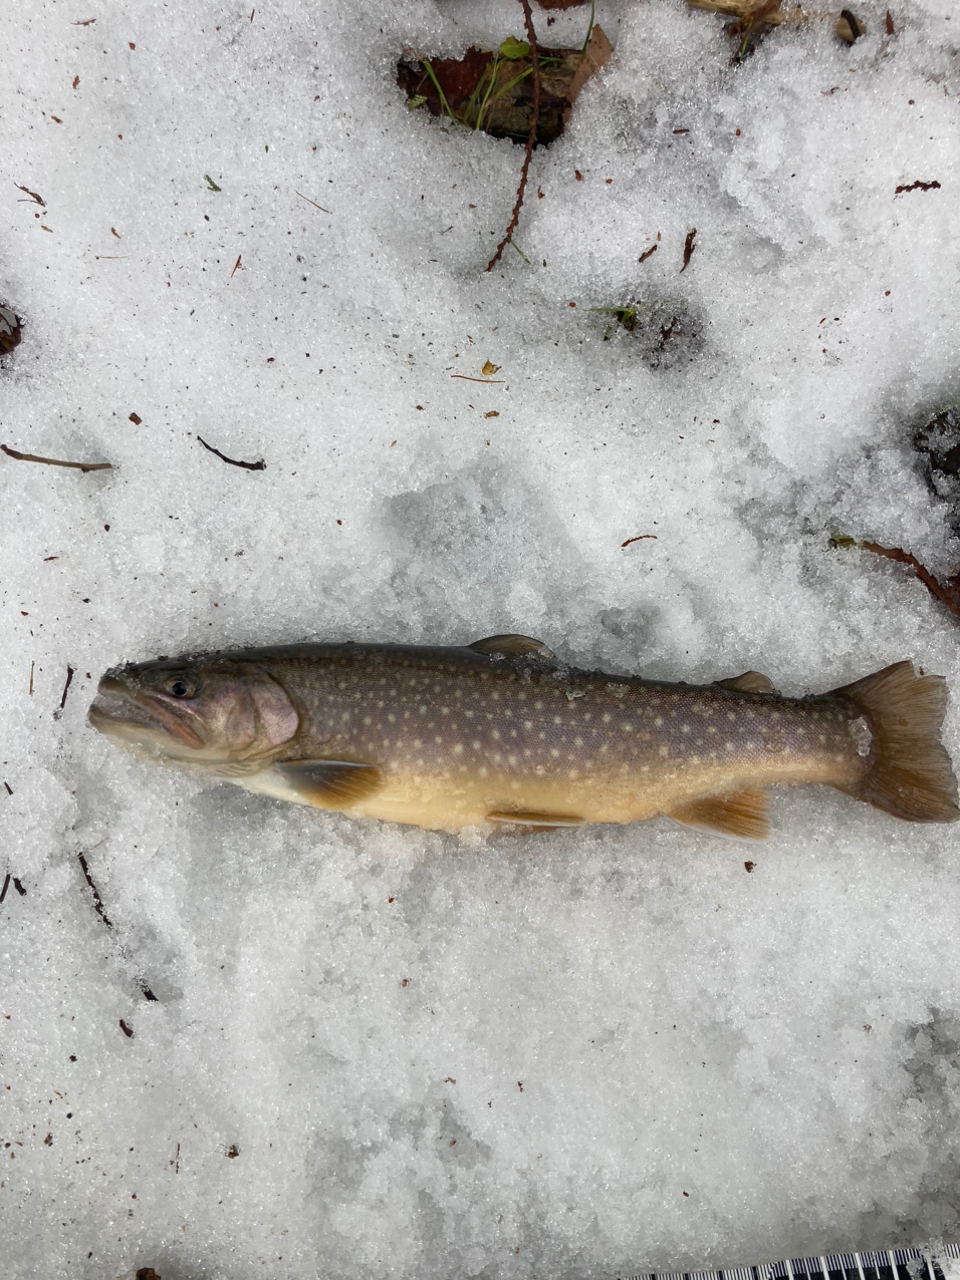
535, 821
513, 647
331, 784
734, 813
749, 682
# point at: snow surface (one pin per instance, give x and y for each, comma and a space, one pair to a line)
376, 1051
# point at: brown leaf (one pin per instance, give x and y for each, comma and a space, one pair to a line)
688, 249
596, 55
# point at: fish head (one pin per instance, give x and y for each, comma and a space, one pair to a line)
206, 712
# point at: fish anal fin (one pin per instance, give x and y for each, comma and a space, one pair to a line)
535, 821
749, 682
734, 813
513, 646
331, 784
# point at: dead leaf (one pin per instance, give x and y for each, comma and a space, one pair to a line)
596, 55
688, 249
489, 369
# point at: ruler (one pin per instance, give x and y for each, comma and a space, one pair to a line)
883, 1264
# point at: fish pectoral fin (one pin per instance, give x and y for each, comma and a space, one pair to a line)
536, 821
749, 682
513, 647
330, 784
735, 813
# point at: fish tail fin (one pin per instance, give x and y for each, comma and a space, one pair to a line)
911, 775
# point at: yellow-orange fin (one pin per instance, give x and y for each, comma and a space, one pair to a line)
513, 646
330, 784
909, 774
734, 813
536, 821
749, 682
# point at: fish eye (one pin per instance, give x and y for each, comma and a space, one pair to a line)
180, 688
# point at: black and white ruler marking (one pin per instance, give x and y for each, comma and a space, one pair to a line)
884, 1264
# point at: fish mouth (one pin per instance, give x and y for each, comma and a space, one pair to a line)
140, 718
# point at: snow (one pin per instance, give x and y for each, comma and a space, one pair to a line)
377, 1051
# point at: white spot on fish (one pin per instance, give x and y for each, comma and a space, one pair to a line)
861, 734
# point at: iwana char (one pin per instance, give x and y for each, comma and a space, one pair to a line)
501, 732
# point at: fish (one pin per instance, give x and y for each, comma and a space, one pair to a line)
502, 734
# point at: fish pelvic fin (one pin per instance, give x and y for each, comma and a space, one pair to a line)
911, 775
330, 784
744, 814
534, 821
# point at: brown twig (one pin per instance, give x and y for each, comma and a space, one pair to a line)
66, 687
97, 901
948, 595
531, 136
248, 466
56, 462
32, 194
98, 907
6, 886
313, 202
490, 382
918, 186
639, 538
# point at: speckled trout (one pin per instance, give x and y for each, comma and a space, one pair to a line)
502, 732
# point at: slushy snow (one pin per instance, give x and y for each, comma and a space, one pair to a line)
376, 1051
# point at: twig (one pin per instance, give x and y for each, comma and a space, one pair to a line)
918, 186
98, 907
531, 136
248, 466
313, 202
639, 538
486, 381
66, 686
97, 901
56, 462
6, 886
33, 195
951, 598
236, 266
